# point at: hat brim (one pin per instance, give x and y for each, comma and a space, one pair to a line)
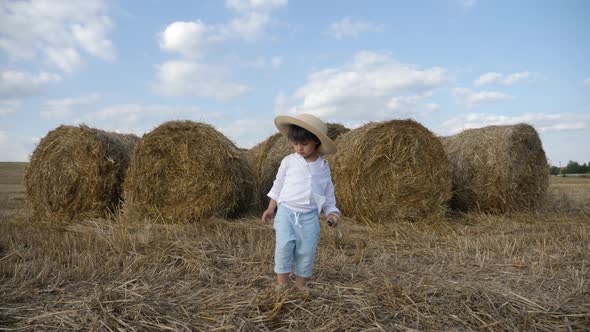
283, 121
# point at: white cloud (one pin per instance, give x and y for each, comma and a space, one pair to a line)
15, 50
9, 106
516, 77
248, 132
472, 99
488, 78
133, 114
48, 29
408, 106
67, 107
257, 63
14, 147
277, 61
196, 38
249, 26
468, 3
373, 86
91, 37
67, 59
501, 79
185, 78
433, 107
253, 16
140, 118
189, 38
16, 84
282, 103
348, 28
541, 121
255, 5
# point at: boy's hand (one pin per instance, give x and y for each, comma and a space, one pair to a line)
267, 214
333, 220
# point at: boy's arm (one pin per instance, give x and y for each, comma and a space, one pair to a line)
330, 205
279, 181
275, 191
272, 205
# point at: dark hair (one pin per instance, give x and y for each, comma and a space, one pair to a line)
298, 134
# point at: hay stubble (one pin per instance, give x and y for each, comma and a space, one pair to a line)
475, 272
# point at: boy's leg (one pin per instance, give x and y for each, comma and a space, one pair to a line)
300, 282
307, 236
284, 245
282, 278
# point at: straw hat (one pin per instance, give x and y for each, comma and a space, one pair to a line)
310, 123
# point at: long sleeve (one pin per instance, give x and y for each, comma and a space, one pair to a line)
330, 205
279, 181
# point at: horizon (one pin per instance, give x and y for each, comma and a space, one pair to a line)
236, 64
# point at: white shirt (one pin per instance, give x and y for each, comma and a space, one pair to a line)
303, 187
315, 166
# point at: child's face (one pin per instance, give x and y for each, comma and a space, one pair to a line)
306, 149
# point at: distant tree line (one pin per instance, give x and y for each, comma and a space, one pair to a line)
572, 167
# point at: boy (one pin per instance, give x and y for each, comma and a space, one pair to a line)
302, 189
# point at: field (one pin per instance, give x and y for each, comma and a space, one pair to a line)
463, 272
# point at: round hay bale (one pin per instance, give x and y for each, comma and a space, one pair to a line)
77, 172
265, 159
392, 170
497, 169
184, 171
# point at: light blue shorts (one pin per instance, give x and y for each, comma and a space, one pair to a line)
297, 236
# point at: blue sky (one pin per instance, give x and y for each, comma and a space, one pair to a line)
128, 66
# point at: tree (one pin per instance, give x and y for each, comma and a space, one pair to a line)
553, 170
572, 167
